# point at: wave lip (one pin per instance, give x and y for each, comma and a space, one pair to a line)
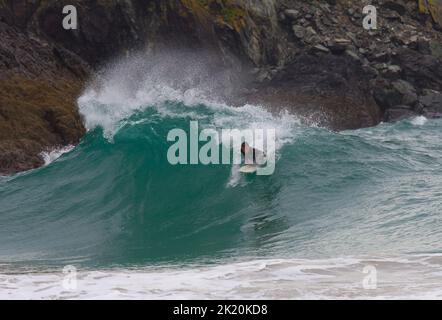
152, 79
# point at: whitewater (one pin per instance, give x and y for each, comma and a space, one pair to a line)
135, 226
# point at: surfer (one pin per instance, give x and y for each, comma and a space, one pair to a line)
252, 154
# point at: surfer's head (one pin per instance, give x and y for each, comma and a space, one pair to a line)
244, 147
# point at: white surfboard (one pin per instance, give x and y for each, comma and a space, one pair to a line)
248, 168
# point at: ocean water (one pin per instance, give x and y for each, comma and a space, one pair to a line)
338, 206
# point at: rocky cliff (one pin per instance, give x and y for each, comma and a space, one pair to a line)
311, 57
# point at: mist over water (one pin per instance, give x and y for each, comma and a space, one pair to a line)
115, 204
149, 80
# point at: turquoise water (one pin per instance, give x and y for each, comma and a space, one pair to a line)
136, 226
115, 199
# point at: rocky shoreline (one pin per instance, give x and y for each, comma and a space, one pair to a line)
313, 58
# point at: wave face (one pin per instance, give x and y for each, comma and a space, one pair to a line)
114, 200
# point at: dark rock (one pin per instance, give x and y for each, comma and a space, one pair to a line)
392, 72
400, 92
406, 91
392, 15
432, 103
292, 14
352, 54
423, 71
299, 31
39, 85
19, 155
311, 35
423, 46
43, 68
397, 6
381, 66
370, 71
338, 46
329, 90
436, 49
399, 113
381, 57
320, 49
385, 96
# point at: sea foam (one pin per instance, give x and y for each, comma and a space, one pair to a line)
339, 278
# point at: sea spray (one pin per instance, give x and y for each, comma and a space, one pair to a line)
115, 204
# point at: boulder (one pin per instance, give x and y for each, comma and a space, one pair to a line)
299, 31
311, 35
399, 113
432, 103
319, 48
292, 14
338, 46
399, 92
385, 96
406, 91
392, 72
423, 71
